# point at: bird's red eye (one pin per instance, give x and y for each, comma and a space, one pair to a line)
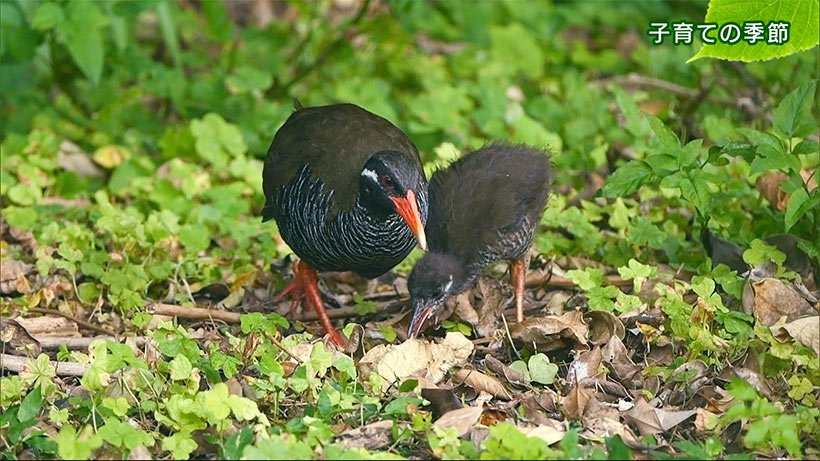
387, 182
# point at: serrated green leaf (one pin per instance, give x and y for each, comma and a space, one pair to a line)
803, 30
665, 136
635, 122
626, 179
793, 115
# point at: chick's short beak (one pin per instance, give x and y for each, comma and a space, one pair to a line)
408, 209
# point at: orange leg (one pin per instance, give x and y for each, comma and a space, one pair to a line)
296, 290
518, 271
305, 287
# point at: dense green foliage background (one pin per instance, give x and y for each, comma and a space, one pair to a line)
132, 143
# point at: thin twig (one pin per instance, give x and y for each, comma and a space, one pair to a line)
326, 52
193, 312
82, 323
637, 80
73, 343
17, 363
282, 346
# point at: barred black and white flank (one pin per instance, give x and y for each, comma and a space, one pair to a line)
346, 189
359, 239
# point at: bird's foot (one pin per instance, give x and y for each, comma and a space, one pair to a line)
305, 287
296, 290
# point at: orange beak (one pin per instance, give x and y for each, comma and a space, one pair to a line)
408, 209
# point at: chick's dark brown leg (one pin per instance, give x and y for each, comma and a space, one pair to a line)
518, 272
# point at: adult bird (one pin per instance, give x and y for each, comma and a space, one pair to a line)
348, 193
484, 207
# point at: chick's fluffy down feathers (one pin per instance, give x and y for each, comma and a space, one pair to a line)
486, 193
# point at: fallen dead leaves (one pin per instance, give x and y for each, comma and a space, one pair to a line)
418, 358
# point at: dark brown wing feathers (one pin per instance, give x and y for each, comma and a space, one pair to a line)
484, 192
335, 141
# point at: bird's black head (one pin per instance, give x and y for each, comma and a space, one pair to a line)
391, 183
436, 277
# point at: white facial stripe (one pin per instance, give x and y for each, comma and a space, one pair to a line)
448, 285
371, 174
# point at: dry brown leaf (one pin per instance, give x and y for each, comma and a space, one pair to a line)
603, 325
756, 380
537, 403
462, 419
661, 355
373, 436
512, 376
650, 420
139, 452
717, 399
617, 357
13, 276
550, 433
491, 307
769, 187
552, 332
575, 402
13, 337
72, 158
464, 308
481, 382
585, 367
806, 330
417, 357
774, 300
705, 421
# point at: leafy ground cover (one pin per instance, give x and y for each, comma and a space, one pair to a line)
132, 140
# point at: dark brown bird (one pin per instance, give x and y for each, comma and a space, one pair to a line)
483, 208
348, 193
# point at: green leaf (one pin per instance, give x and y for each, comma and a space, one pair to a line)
635, 123
759, 252
180, 445
120, 433
195, 237
666, 137
522, 368
71, 445
233, 446
30, 406
47, 16
617, 448
248, 79
637, 272
799, 204
803, 30
180, 368
82, 36
169, 35
514, 48
626, 179
541, 370
793, 115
